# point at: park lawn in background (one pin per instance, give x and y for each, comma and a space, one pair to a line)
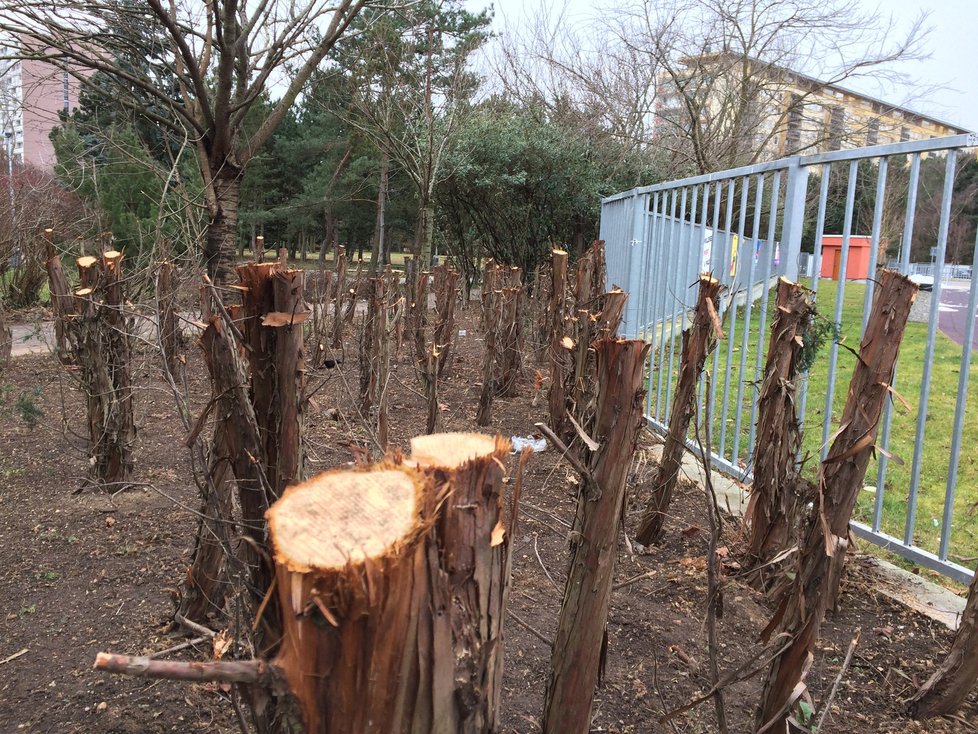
937, 436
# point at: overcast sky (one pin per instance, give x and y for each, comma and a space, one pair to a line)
947, 81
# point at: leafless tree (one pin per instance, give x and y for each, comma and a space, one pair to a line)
218, 62
732, 87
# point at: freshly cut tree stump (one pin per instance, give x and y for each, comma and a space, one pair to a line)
61, 299
698, 342
394, 582
472, 545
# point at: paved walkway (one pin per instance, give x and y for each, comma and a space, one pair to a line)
953, 312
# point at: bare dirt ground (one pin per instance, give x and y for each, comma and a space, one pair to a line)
85, 572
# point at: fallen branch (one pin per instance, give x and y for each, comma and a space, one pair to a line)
231, 671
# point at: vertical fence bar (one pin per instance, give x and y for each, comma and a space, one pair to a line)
648, 284
935, 304
649, 293
794, 216
959, 409
678, 297
908, 219
735, 278
748, 309
875, 240
840, 294
640, 205
702, 266
667, 253
762, 331
721, 275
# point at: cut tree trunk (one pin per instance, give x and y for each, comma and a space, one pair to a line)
559, 357
104, 356
580, 642
61, 299
822, 555
395, 580
697, 343
6, 341
775, 498
341, 295
166, 315
949, 686
508, 343
446, 293
491, 316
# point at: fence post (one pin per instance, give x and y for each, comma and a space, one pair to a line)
794, 217
635, 247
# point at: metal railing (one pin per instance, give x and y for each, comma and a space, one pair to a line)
745, 226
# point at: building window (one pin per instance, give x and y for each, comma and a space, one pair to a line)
65, 85
904, 134
873, 132
837, 123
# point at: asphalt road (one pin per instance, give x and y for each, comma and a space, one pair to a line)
953, 312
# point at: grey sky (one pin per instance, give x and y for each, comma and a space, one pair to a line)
946, 83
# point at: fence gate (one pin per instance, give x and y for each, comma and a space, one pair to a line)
749, 226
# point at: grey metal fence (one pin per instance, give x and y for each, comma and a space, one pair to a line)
746, 227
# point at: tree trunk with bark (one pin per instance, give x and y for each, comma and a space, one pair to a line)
509, 339
446, 293
378, 249
170, 337
772, 514
395, 614
581, 639
61, 300
945, 691
697, 343
559, 357
220, 247
341, 295
104, 356
816, 584
491, 318
6, 341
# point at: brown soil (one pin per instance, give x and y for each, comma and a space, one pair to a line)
80, 573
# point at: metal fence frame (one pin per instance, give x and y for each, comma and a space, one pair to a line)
655, 244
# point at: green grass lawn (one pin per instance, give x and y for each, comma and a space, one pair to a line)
937, 436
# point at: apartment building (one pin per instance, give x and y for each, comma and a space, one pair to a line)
749, 110
32, 94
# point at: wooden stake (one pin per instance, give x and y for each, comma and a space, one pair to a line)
698, 342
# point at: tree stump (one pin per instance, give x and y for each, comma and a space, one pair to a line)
166, 315
558, 350
580, 642
102, 336
698, 342
61, 300
823, 549
772, 513
949, 686
394, 580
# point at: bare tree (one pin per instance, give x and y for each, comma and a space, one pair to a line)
210, 74
731, 87
410, 87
